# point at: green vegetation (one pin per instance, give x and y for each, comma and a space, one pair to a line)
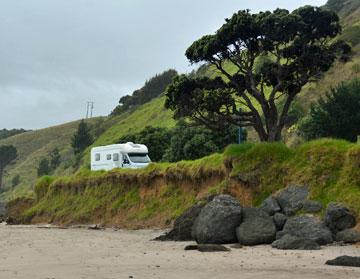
44, 167
157, 139
159, 193
152, 89
32, 146
8, 153
337, 116
270, 64
4, 133
82, 138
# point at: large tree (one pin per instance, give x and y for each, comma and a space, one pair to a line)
8, 153
265, 59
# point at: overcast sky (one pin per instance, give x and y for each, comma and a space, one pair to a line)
55, 55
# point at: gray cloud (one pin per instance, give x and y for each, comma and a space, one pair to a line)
55, 55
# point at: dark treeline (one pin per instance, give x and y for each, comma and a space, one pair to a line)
5, 133
152, 88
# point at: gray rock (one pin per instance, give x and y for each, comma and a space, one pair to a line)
257, 228
207, 248
338, 218
217, 221
312, 206
292, 198
290, 242
307, 227
345, 261
270, 206
183, 225
348, 236
279, 220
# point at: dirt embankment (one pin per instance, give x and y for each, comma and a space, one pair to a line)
155, 196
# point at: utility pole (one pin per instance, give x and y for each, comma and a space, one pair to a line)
89, 109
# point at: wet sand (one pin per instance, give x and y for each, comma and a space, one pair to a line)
38, 253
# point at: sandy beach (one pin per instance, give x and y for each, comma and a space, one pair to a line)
40, 253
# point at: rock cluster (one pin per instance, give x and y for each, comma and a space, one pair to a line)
284, 220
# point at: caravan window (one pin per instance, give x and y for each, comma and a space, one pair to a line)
108, 157
97, 157
116, 157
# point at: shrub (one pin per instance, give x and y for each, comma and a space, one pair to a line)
157, 139
43, 168
337, 116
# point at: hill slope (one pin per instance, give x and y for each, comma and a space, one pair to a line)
37, 144
32, 146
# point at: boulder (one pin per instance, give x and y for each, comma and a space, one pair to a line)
270, 206
307, 227
290, 242
348, 236
217, 221
183, 225
345, 261
338, 218
292, 198
257, 228
312, 206
279, 220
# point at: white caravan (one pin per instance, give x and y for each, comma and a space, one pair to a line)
127, 155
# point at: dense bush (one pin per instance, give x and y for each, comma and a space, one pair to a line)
184, 142
337, 116
157, 139
152, 88
192, 142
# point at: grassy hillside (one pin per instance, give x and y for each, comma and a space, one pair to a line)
154, 196
152, 113
32, 146
35, 145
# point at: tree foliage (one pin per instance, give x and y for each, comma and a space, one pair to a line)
337, 116
82, 138
44, 167
55, 159
5, 133
296, 48
156, 139
152, 88
189, 142
8, 153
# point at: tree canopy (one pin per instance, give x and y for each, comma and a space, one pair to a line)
337, 115
151, 89
295, 48
82, 138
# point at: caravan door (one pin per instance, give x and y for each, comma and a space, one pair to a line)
117, 160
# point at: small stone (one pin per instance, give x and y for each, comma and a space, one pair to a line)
345, 261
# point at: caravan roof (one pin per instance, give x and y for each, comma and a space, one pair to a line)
128, 147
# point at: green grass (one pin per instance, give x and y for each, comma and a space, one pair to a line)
163, 191
32, 147
150, 114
